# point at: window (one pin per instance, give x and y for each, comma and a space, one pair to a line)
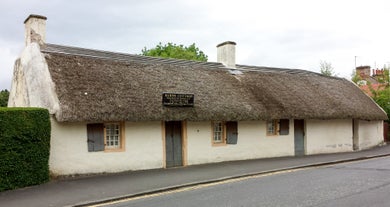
105, 137
278, 127
112, 135
218, 133
272, 127
224, 132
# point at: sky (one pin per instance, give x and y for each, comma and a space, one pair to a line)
278, 33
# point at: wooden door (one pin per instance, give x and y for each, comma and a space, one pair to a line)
355, 134
173, 144
299, 137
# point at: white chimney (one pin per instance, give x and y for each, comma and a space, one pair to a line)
35, 29
226, 54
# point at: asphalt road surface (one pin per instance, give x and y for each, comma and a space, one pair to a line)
364, 183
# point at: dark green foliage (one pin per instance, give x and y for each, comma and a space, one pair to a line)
171, 50
24, 147
4, 94
382, 98
381, 95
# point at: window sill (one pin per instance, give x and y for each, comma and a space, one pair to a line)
114, 150
272, 135
218, 144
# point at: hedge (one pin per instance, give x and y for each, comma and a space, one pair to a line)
24, 147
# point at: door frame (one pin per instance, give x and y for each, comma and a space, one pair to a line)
303, 136
183, 143
355, 134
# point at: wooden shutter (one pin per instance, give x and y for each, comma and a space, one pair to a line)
231, 132
95, 135
284, 126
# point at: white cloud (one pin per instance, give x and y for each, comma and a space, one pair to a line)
278, 33
8, 57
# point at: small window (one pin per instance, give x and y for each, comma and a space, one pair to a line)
278, 127
224, 132
105, 137
218, 132
272, 127
112, 135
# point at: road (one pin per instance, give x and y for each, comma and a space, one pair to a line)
363, 183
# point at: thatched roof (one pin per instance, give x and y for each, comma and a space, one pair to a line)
103, 86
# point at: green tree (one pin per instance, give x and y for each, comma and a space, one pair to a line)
172, 50
382, 98
326, 68
4, 94
356, 78
381, 94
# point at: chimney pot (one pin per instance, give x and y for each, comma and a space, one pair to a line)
226, 54
35, 29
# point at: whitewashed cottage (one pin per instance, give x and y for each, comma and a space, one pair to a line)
113, 112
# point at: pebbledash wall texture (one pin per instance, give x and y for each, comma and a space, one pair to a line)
107, 110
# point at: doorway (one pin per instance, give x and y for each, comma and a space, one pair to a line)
299, 137
173, 144
355, 134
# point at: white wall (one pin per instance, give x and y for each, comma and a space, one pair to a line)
370, 133
69, 150
144, 146
328, 136
252, 143
32, 85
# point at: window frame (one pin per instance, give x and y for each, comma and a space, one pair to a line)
223, 133
121, 146
275, 131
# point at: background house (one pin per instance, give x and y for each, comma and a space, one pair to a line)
376, 85
369, 81
115, 112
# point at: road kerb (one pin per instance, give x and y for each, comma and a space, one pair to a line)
216, 180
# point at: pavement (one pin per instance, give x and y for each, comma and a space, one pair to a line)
87, 190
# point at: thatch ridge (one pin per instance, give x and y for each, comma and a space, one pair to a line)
123, 57
93, 89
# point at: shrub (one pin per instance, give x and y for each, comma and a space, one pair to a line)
24, 147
